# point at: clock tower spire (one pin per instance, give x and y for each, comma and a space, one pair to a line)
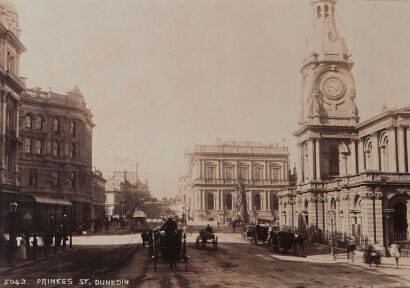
328, 87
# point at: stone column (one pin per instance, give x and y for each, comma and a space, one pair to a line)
373, 220
320, 214
318, 173
393, 150
408, 151
312, 210
250, 204
299, 163
268, 195
203, 200
353, 166
311, 159
361, 155
401, 149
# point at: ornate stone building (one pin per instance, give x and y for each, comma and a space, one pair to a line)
211, 183
11, 86
353, 177
56, 152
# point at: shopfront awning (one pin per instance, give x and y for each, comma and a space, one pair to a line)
52, 201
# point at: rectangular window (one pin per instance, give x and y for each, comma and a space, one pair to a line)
229, 173
275, 173
55, 178
244, 172
258, 173
32, 180
210, 172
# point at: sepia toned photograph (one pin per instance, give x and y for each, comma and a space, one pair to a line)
204, 143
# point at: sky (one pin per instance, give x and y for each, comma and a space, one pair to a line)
162, 76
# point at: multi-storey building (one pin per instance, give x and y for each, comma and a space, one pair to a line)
353, 177
98, 195
214, 170
56, 151
11, 87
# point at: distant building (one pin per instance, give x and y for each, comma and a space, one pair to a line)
121, 183
353, 177
211, 183
98, 196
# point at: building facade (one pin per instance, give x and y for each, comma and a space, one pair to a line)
98, 195
353, 177
11, 87
56, 152
211, 185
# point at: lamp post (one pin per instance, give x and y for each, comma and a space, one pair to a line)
12, 243
332, 249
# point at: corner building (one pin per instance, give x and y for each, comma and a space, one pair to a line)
56, 154
211, 184
11, 87
353, 177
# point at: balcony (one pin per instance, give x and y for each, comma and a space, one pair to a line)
221, 149
234, 182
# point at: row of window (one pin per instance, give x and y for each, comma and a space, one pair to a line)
39, 124
55, 178
243, 173
55, 148
257, 202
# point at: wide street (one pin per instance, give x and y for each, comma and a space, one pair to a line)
236, 263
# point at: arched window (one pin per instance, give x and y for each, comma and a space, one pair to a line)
211, 205
28, 123
39, 145
27, 145
72, 128
384, 153
369, 160
56, 126
326, 11
72, 150
258, 202
319, 12
56, 148
334, 161
228, 201
39, 123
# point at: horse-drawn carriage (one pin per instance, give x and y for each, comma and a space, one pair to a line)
206, 237
168, 245
281, 240
256, 234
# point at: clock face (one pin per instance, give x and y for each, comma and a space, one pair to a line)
333, 88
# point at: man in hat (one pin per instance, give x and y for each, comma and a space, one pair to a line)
170, 227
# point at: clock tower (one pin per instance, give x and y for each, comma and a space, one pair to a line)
328, 92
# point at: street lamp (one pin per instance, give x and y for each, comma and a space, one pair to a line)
332, 250
12, 244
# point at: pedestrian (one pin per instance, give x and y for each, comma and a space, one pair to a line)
35, 245
217, 223
233, 226
395, 252
22, 252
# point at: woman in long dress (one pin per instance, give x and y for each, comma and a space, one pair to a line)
22, 252
395, 252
